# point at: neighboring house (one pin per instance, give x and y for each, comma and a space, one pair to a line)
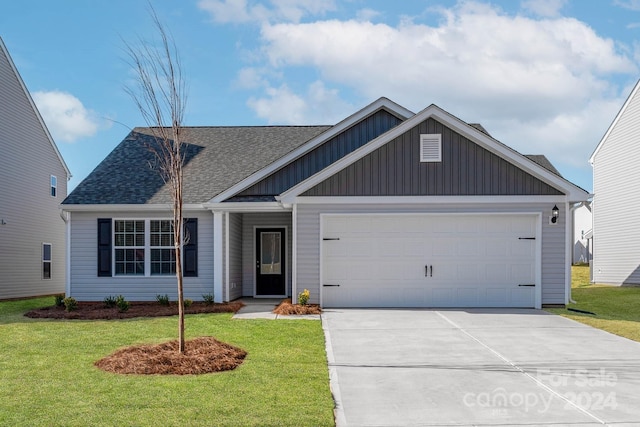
386, 208
616, 179
34, 182
582, 223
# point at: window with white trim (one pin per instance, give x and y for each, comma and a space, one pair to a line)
54, 186
431, 147
163, 253
129, 247
143, 247
46, 260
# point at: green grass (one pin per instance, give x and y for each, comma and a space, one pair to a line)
47, 377
617, 309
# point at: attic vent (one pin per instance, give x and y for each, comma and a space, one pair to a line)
431, 147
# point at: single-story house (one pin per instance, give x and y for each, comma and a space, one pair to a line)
616, 251
387, 208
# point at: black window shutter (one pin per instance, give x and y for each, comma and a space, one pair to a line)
190, 248
104, 247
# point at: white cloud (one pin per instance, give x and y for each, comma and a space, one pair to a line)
367, 14
65, 116
628, 4
545, 8
241, 11
318, 106
538, 84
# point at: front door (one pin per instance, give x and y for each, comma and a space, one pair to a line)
270, 261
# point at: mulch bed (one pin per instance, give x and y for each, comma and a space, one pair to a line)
201, 356
286, 308
97, 310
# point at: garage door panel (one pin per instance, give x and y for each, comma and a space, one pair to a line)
476, 260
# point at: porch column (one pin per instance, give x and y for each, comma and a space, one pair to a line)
217, 256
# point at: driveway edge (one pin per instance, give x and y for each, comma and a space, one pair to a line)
334, 386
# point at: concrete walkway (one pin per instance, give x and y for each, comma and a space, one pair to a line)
262, 308
478, 368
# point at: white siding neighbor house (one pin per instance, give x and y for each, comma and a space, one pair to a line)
616, 203
387, 208
34, 183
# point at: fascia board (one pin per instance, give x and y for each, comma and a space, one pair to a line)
129, 208
313, 143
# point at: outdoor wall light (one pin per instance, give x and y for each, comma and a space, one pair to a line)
555, 212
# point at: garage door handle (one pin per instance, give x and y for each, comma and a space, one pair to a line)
528, 284
329, 285
431, 271
428, 271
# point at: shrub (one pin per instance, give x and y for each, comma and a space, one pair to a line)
122, 303
70, 303
188, 302
208, 299
59, 300
163, 299
110, 301
303, 297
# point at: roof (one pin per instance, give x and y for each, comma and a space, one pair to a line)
5, 52
544, 162
216, 159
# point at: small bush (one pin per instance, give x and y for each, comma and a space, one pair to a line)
188, 302
208, 299
122, 303
109, 301
59, 300
303, 297
70, 304
163, 299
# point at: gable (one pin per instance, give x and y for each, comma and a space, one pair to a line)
322, 156
394, 169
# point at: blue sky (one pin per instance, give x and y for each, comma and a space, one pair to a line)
542, 76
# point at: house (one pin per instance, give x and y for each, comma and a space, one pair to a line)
582, 223
34, 177
387, 208
616, 235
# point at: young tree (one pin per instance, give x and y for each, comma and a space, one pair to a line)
160, 95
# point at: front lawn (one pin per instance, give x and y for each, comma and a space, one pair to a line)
48, 377
617, 309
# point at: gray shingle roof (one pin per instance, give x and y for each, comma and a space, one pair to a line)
216, 159
544, 162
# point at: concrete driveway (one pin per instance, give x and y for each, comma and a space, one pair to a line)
478, 367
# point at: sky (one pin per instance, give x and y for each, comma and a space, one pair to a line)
542, 76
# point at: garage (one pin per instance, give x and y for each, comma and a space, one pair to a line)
430, 260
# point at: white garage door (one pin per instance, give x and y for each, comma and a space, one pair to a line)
429, 261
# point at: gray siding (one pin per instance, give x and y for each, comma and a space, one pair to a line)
87, 286
553, 244
337, 147
616, 252
31, 216
235, 256
249, 222
466, 169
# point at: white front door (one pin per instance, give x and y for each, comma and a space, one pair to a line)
422, 260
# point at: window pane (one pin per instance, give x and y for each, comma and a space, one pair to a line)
46, 270
46, 252
270, 253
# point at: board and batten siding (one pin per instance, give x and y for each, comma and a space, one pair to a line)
309, 239
29, 215
616, 251
87, 286
466, 169
317, 159
235, 256
249, 222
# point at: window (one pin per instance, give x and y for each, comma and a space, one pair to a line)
46, 260
54, 186
163, 254
129, 244
431, 147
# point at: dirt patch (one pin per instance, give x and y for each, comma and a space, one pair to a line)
202, 356
97, 310
286, 308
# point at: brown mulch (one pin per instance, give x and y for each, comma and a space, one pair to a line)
97, 310
286, 308
201, 356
